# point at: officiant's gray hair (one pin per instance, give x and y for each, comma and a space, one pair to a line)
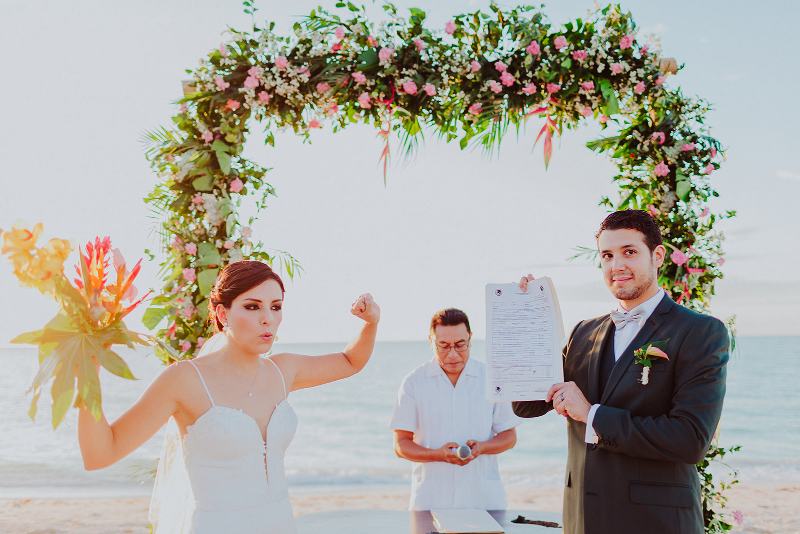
638, 220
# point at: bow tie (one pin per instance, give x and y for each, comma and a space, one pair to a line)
622, 319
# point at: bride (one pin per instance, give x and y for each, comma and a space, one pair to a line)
223, 470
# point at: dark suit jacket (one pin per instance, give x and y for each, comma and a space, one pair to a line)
641, 477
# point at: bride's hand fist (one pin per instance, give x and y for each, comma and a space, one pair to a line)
366, 308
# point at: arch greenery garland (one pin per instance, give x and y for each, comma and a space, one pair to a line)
472, 80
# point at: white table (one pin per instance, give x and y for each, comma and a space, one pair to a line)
404, 522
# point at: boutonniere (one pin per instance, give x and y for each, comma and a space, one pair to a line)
646, 356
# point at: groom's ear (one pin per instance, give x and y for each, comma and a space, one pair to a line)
659, 253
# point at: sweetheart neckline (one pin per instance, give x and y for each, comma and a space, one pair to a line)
261, 436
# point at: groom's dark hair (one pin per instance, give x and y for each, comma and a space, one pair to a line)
633, 220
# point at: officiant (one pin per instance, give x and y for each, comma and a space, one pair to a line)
444, 423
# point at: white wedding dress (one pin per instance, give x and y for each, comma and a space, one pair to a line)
236, 480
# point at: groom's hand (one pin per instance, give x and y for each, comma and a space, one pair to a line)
569, 401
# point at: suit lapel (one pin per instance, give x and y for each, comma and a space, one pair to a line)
626, 359
602, 333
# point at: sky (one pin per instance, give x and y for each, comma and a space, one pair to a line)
83, 81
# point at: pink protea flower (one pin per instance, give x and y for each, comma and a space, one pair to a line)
586, 111
371, 41
251, 82
359, 77
533, 48
429, 89
364, 100
420, 44
616, 68
410, 87
587, 86
529, 89
553, 88
507, 79
190, 248
385, 54
314, 123
500, 66
323, 87
679, 258
281, 62
236, 185
626, 42
220, 82
638, 88
495, 87
560, 42
207, 136
339, 33
475, 109
580, 55
450, 27
189, 275
658, 137
474, 66
688, 147
232, 104
661, 169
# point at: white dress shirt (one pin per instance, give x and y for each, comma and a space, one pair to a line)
622, 338
437, 412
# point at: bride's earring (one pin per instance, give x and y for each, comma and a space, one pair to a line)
226, 329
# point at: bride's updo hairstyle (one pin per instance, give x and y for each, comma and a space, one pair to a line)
235, 279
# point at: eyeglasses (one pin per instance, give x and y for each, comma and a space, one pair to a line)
460, 346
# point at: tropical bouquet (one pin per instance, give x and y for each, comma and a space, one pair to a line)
90, 318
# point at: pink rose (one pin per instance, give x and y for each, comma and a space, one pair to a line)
207, 136
652, 210
371, 41
189, 275
410, 87
250, 82
626, 42
255, 71
678, 258
495, 87
529, 89
263, 97
281, 62
332, 109
507, 79
661, 169
553, 88
197, 199
190, 249
359, 77
638, 88
587, 86
474, 66
420, 44
644, 50
450, 27
709, 168
429, 89
533, 48
385, 54
500, 66
314, 123
221, 84
603, 119
227, 245
580, 55
339, 33
236, 185
323, 87
185, 346
363, 100
232, 105
658, 137
475, 109
586, 111
688, 147
560, 42
660, 80
616, 68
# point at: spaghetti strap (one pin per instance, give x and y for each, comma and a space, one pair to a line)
202, 381
280, 373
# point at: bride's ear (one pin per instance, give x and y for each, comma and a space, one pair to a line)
221, 314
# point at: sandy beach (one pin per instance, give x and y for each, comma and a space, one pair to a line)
766, 509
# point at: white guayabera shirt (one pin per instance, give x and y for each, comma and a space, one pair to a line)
437, 412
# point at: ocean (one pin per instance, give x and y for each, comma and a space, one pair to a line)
343, 439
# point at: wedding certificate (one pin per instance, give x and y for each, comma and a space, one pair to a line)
524, 334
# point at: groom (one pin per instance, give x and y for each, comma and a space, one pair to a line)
634, 436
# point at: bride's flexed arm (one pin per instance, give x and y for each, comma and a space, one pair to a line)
103, 444
309, 371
